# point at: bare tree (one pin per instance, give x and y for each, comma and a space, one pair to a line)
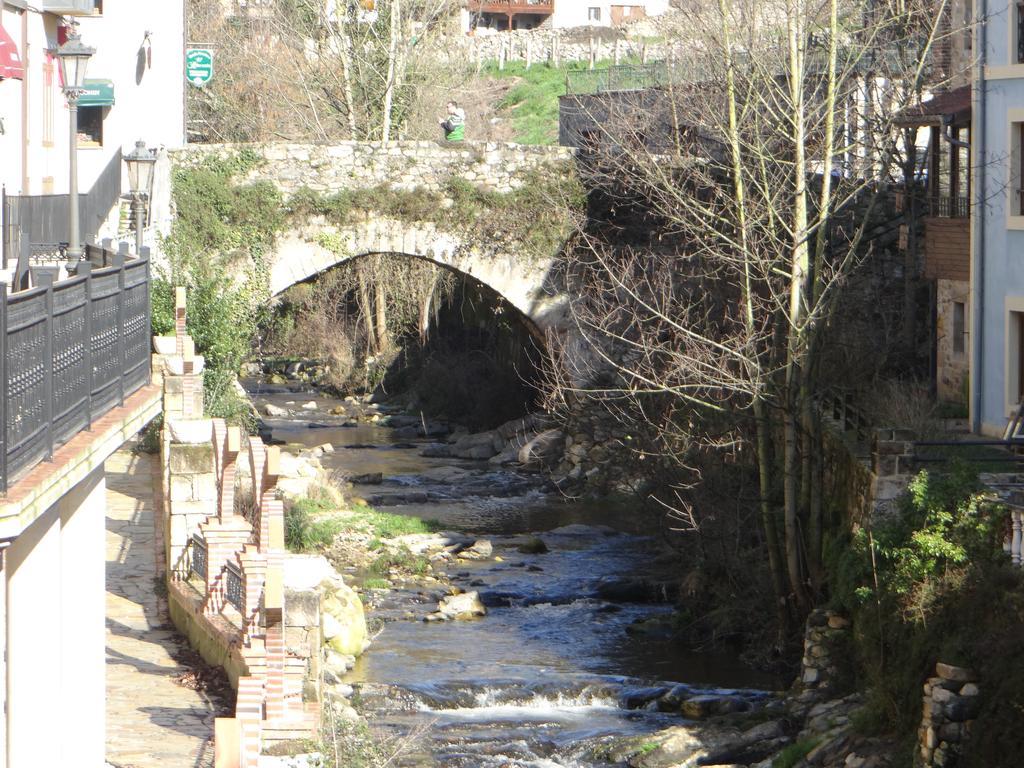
317, 69
760, 163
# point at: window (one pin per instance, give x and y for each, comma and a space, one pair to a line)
1016, 202
1015, 354
49, 96
959, 328
1019, 24
90, 126
594, 14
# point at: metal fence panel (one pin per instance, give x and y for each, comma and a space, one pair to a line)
70, 376
71, 351
26, 372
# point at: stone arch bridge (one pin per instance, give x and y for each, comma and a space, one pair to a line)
307, 248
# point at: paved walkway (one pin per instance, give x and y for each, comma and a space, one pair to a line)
151, 720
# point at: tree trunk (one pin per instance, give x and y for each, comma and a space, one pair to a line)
366, 310
381, 310
389, 77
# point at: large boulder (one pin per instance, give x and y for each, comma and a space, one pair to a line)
465, 605
545, 449
344, 623
478, 446
274, 411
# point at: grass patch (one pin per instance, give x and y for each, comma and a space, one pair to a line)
399, 560
305, 527
376, 584
794, 753
384, 525
533, 101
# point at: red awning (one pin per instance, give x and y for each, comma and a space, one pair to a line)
10, 61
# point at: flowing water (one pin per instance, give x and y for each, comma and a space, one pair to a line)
550, 674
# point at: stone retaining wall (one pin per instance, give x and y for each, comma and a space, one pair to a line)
825, 636
405, 165
950, 704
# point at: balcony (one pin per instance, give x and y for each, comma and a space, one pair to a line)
512, 7
947, 242
71, 351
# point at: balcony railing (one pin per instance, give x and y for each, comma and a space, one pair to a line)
199, 556
949, 207
512, 6
233, 585
43, 219
70, 352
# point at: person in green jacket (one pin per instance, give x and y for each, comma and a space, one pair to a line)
455, 124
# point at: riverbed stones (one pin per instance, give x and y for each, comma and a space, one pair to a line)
274, 411
460, 607
543, 450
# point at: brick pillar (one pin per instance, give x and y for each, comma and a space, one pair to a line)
249, 713
227, 443
224, 539
254, 576
273, 616
264, 462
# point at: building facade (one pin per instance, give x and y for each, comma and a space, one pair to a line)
997, 234
135, 90
484, 16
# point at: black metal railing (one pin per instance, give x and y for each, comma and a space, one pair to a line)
44, 218
950, 207
233, 585
70, 351
199, 556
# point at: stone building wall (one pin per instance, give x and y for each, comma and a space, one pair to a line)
404, 165
951, 358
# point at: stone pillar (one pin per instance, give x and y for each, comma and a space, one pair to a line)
34, 652
819, 667
82, 697
951, 702
191, 487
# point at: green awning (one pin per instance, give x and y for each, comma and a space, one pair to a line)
97, 93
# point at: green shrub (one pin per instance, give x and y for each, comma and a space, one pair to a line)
794, 753
304, 531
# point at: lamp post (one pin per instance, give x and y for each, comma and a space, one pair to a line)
140, 162
73, 58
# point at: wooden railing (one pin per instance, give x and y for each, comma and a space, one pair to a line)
511, 6
950, 207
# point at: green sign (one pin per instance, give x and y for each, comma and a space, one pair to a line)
199, 66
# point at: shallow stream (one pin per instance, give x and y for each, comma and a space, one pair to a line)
550, 674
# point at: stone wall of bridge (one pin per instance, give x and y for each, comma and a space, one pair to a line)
359, 165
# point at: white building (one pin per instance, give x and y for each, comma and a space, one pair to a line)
71, 396
997, 236
484, 16
136, 89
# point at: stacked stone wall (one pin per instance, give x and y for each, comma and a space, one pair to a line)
950, 704
826, 636
401, 165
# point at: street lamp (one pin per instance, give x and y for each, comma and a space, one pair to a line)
73, 58
140, 164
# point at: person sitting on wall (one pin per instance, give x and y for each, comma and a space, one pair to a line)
455, 124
